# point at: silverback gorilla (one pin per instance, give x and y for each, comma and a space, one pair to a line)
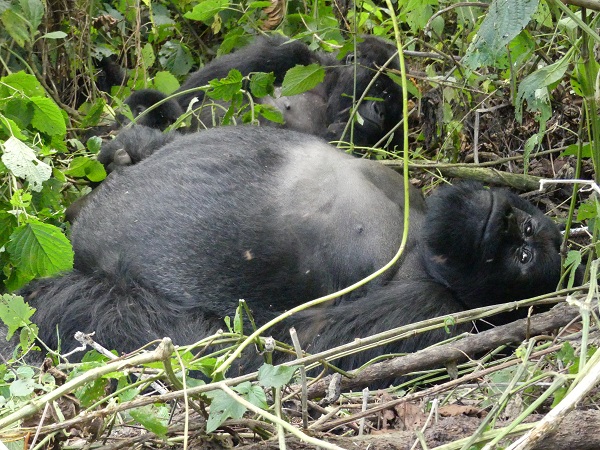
323, 111
166, 247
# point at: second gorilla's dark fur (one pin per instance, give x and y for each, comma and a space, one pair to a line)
323, 111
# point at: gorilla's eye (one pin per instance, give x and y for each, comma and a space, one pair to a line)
349, 58
528, 228
525, 255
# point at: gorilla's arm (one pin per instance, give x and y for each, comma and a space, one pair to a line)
131, 146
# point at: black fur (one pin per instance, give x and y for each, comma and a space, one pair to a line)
278, 218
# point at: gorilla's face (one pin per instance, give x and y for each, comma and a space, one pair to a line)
498, 245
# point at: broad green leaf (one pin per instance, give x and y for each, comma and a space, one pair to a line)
206, 10
270, 113
253, 393
153, 418
504, 20
47, 117
175, 58
22, 387
165, 82
21, 82
15, 26
85, 167
261, 84
40, 249
226, 88
222, 407
14, 312
34, 12
91, 392
534, 88
572, 150
275, 376
300, 79
22, 162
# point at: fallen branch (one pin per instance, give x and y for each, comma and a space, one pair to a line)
457, 351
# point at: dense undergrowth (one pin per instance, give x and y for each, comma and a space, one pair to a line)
504, 92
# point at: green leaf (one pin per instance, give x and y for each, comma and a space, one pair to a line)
85, 167
55, 35
153, 418
206, 10
279, 376
34, 12
40, 249
261, 84
94, 144
572, 150
222, 407
22, 387
300, 79
165, 82
226, 88
253, 393
534, 88
270, 113
15, 313
22, 162
91, 392
504, 20
21, 82
175, 58
15, 26
47, 117
148, 55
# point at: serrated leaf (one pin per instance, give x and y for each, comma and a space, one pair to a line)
40, 249
14, 312
505, 19
222, 407
85, 167
275, 376
206, 10
152, 419
300, 79
261, 84
47, 117
22, 162
226, 88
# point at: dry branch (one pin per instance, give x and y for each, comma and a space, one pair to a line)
578, 431
458, 351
